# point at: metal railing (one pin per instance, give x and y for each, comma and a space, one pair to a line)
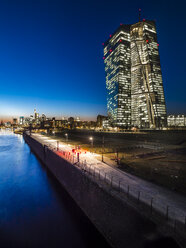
153, 206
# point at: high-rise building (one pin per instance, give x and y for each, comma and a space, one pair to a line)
21, 120
118, 76
147, 95
36, 117
135, 95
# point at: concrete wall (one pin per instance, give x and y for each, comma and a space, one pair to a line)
120, 223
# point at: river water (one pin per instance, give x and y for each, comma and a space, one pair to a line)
35, 211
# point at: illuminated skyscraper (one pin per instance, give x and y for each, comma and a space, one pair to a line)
21, 120
36, 117
147, 96
135, 95
118, 78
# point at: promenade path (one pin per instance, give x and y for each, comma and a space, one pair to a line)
163, 200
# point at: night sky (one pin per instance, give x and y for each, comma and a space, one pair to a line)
51, 53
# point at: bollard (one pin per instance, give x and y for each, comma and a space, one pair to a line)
151, 201
128, 191
167, 213
138, 197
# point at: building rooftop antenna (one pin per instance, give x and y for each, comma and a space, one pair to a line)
139, 15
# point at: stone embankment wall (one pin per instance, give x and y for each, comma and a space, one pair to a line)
120, 223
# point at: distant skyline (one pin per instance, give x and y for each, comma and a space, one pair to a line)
51, 54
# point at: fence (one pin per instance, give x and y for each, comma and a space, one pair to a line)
153, 206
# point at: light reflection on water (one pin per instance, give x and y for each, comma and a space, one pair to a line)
34, 209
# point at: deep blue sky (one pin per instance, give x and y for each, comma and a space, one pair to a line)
51, 53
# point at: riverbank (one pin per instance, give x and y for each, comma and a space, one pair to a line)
35, 211
104, 215
158, 157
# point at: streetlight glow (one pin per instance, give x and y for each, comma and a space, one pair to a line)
66, 134
91, 139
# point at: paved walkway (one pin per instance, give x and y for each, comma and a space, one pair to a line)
162, 197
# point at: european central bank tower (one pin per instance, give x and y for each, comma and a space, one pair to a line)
135, 95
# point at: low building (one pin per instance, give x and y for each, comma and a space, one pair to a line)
14, 121
100, 119
7, 124
106, 123
28, 121
176, 120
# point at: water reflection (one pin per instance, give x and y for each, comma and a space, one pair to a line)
35, 211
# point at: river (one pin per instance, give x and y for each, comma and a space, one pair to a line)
35, 211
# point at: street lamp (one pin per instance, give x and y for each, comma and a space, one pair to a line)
91, 140
66, 137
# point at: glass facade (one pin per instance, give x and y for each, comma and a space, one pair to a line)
147, 95
118, 78
176, 120
135, 95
